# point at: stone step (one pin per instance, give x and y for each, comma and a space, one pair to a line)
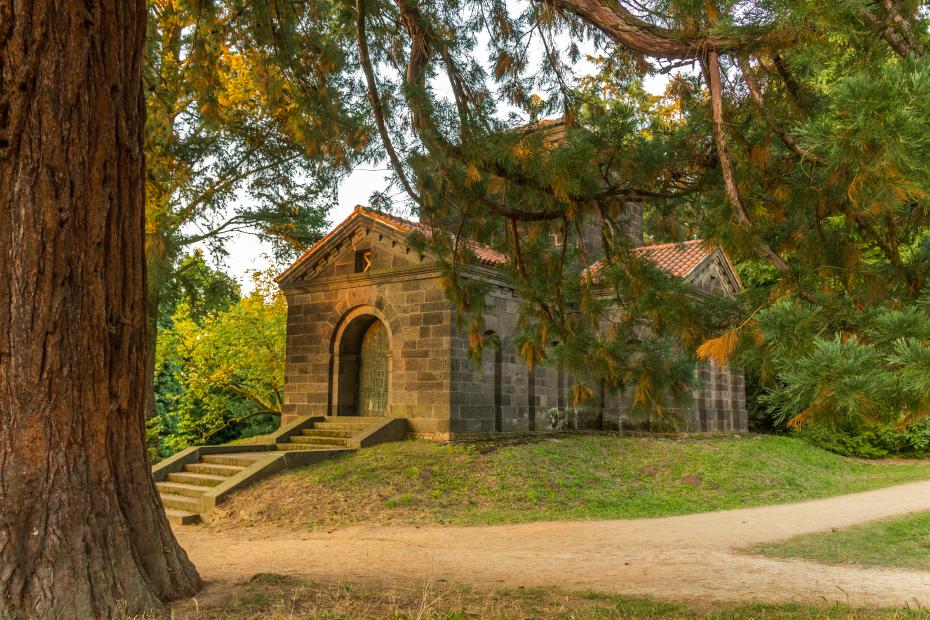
340, 426
180, 502
213, 469
354, 419
322, 432
181, 488
348, 419
303, 446
204, 480
239, 460
319, 441
181, 517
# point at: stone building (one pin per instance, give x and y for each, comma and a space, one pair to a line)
370, 332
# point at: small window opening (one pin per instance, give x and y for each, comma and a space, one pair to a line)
363, 261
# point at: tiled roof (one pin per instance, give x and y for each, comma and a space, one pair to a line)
677, 259
485, 254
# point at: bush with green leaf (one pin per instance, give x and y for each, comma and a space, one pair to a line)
220, 376
855, 382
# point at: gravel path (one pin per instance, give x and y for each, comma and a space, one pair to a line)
695, 557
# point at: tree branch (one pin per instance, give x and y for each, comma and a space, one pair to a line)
756, 95
633, 33
711, 66
888, 33
375, 98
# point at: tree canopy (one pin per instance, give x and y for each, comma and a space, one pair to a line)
791, 133
219, 370
237, 142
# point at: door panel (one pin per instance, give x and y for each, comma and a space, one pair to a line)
373, 372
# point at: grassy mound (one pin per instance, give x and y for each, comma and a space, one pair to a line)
899, 543
556, 477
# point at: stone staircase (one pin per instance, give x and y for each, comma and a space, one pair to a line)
192, 481
328, 433
182, 492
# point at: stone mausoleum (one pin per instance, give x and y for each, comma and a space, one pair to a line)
370, 332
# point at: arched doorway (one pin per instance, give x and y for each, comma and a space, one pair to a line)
362, 367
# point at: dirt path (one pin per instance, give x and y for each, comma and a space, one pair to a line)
687, 557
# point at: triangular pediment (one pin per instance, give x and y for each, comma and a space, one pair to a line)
715, 275
362, 243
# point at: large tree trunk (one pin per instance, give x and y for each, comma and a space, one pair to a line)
82, 534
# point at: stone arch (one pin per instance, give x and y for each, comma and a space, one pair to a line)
361, 363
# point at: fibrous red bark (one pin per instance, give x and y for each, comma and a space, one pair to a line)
633, 33
82, 533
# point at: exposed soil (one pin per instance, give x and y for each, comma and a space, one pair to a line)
694, 557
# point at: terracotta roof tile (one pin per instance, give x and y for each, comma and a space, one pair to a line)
677, 259
484, 253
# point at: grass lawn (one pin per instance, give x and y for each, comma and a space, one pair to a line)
591, 476
270, 596
902, 543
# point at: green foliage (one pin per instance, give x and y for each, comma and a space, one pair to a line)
811, 174
869, 441
237, 142
853, 381
226, 121
220, 371
202, 290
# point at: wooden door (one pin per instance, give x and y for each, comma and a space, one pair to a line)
373, 371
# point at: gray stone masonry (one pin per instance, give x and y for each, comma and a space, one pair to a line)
431, 380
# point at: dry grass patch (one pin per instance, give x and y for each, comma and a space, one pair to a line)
278, 597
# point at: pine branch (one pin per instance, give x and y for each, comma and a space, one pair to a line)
756, 95
888, 33
624, 28
711, 66
376, 106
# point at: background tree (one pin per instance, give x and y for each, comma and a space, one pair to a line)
221, 373
234, 141
82, 532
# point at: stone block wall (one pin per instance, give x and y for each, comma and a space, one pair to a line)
501, 384
719, 405
414, 309
720, 402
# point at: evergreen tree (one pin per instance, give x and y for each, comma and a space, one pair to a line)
792, 133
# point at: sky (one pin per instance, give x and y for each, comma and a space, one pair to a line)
248, 253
